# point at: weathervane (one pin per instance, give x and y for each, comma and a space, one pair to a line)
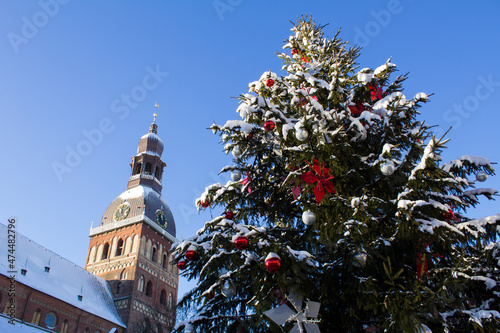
154, 114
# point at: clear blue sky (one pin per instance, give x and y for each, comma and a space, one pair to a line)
67, 69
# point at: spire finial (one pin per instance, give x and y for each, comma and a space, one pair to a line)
157, 106
154, 128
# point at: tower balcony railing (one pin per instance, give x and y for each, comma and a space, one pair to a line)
145, 176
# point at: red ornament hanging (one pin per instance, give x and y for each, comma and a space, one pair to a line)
270, 83
269, 125
191, 253
181, 265
241, 242
294, 51
273, 263
204, 204
229, 215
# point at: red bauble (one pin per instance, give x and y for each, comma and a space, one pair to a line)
241, 243
204, 204
181, 265
190, 255
229, 215
269, 125
294, 51
270, 82
273, 263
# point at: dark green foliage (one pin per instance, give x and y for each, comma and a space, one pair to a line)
390, 251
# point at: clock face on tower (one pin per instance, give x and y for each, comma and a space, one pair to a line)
121, 212
160, 218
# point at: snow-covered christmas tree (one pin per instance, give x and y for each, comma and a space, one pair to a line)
340, 215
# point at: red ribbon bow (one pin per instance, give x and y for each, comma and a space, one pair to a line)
422, 261
375, 91
247, 180
322, 178
357, 109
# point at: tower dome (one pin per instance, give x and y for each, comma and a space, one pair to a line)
151, 143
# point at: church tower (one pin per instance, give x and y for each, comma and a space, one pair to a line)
130, 246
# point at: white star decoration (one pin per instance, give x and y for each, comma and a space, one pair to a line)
305, 318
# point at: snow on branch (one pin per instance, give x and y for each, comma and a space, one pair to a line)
476, 227
477, 161
428, 154
430, 225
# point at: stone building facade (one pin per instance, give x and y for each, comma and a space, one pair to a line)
128, 284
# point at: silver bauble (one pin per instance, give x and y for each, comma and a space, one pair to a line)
360, 259
228, 289
481, 176
301, 134
387, 168
235, 175
236, 151
308, 217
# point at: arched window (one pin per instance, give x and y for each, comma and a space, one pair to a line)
157, 172
105, 251
64, 326
147, 169
36, 317
170, 300
92, 255
124, 274
154, 254
140, 286
138, 168
119, 247
118, 285
164, 261
149, 289
163, 297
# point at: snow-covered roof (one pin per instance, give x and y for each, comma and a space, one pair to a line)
64, 281
19, 327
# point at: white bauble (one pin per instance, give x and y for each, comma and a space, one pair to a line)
387, 168
236, 151
301, 134
308, 217
481, 176
235, 175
